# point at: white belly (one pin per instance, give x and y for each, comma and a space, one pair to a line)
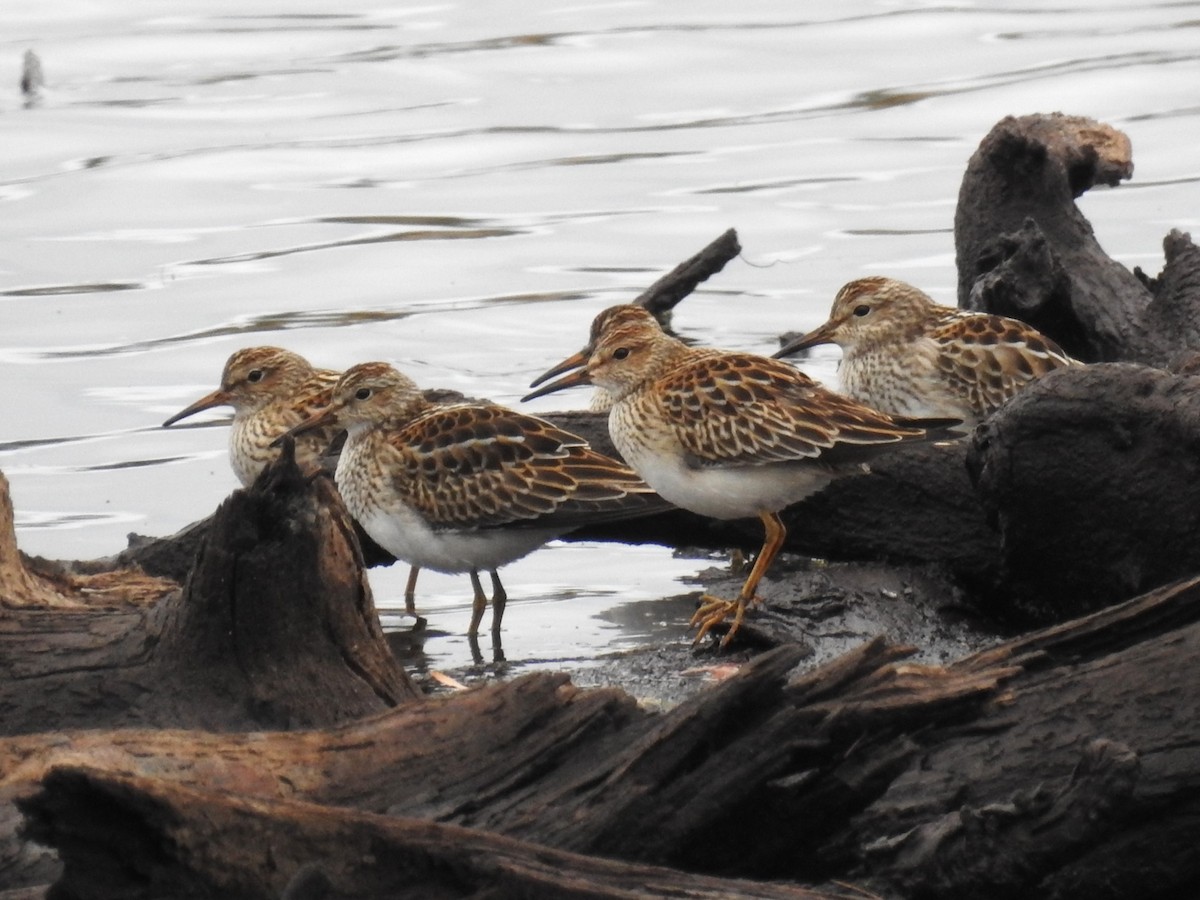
724, 492
407, 537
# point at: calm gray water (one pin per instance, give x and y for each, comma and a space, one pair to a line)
459, 187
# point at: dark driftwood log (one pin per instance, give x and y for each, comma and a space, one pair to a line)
1054, 765
167, 838
1025, 250
1092, 477
276, 603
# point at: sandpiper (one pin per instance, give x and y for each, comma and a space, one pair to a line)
270, 390
723, 434
907, 356
468, 486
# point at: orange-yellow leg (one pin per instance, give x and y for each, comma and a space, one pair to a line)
714, 610
410, 591
478, 605
499, 601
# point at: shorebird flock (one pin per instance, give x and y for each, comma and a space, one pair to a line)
467, 486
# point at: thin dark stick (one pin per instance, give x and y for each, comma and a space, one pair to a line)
662, 296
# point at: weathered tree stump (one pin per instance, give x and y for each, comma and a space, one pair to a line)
1024, 249
276, 603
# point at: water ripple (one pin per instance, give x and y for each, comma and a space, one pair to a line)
256, 255
54, 290
291, 320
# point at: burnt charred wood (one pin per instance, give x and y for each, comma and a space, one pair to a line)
1092, 478
159, 839
1062, 763
277, 601
1024, 249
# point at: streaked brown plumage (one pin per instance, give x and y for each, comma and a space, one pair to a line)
460, 487
904, 354
270, 390
722, 433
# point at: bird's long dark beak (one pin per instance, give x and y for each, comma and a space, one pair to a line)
580, 375
216, 398
327, 416
820, 335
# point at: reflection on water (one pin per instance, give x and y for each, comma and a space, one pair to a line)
459, 189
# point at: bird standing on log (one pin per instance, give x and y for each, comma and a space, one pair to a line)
907, 356
270, 390
724, 434
460, 487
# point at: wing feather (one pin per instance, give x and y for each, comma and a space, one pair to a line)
990, 358
484, 466
745, 409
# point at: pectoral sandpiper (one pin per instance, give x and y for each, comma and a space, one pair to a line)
905, 355
270, 390
723, 434
464, 487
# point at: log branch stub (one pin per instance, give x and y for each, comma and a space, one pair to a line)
1176, 300
1024, 249
662, 296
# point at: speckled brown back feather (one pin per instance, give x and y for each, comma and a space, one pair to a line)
726, 406
990, 358
476, 465
905, 354
483, 465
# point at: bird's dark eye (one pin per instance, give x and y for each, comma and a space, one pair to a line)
255, 376
620, 353
362, 394
861, 311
